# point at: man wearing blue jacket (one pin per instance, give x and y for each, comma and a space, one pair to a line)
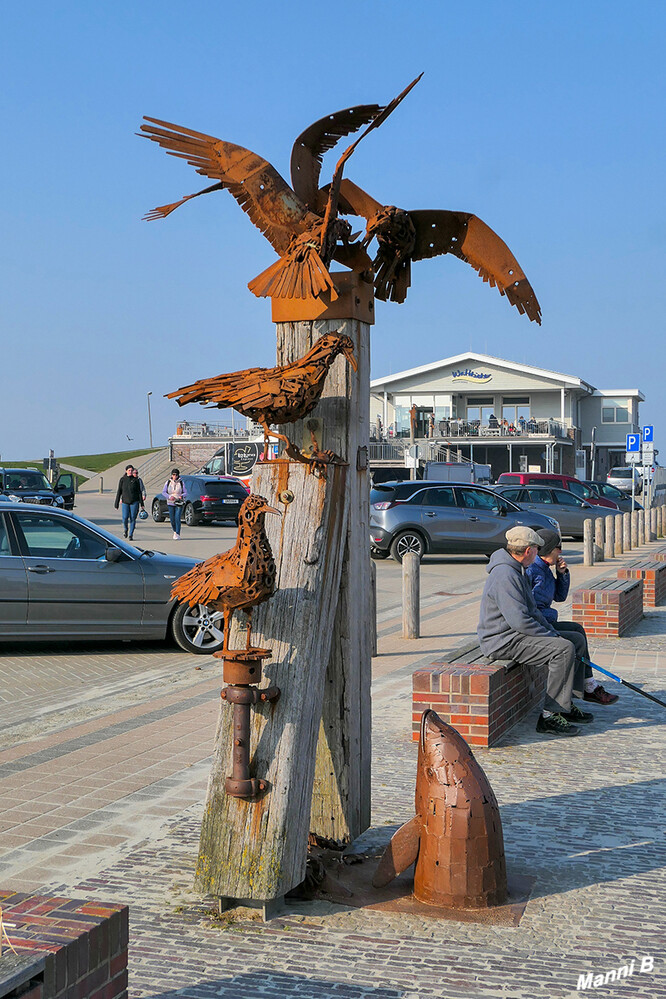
511, 627
547, 588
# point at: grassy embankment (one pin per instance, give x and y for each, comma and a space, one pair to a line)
91, 462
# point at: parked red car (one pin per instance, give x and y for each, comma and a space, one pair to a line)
569, 482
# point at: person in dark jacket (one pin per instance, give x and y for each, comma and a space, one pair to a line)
511, 627
547, 588
129, 493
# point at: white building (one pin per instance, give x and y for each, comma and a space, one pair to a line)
511, 416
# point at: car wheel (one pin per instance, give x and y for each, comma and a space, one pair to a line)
190, 516
407, 541
158, 516
198, 629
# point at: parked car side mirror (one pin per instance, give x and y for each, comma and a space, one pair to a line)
113, 554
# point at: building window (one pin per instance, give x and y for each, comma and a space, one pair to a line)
615, 411
480, 408
514, 407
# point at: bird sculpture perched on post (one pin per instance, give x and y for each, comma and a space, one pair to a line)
239, 579
275, 395
403, 236
306, 241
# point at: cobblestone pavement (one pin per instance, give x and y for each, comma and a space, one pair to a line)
102, 797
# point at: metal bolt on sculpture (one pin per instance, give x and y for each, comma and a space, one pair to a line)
239, 579
456, 836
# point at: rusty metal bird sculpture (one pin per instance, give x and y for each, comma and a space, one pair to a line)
306, 241
239, 579
273, 395
403, 236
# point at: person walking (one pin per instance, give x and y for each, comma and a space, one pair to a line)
129, 494
174, 491
547, 588
135, 473
511, 627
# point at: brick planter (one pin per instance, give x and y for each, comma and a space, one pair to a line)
481, 700
653, 575
67, 948
658, 555
608, 607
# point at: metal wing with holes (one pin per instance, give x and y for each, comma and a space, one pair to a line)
256, 185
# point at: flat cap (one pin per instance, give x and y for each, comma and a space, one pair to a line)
523, 537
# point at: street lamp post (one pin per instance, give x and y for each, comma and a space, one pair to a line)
150, 425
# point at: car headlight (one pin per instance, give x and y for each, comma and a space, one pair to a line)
555, 524
59, 501
13, 498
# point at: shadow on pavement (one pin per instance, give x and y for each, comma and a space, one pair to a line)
276, 984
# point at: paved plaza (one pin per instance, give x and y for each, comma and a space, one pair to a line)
104, 757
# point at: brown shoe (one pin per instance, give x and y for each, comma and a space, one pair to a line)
601, 696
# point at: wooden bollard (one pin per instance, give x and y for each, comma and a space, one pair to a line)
609, 537
653, 524
101, 484
588, 542
599, 539
411, 583
626, 531
634, 528
641, 527
662, 516
619, 541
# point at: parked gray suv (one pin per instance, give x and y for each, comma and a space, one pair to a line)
453, 518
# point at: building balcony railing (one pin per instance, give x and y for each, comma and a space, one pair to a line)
455, 429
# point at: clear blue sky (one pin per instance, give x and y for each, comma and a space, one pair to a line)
546, 120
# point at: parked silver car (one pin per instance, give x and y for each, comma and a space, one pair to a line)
62, 577
621, 477
428, 517
571, 511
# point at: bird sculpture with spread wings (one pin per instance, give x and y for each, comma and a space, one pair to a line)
403, 236
306, 241
275, 395
239, 579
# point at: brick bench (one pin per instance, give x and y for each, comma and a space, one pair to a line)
66, 948
607, 608
653, 575
479, 697
658, 555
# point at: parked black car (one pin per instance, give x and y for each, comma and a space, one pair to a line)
29, 485
208, 498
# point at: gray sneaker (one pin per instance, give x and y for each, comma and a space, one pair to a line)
556, 725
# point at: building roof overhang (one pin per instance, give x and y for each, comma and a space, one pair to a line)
528, 369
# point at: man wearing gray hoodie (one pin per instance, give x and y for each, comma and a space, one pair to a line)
511, 627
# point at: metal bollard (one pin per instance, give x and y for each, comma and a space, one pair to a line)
588, 542
619, 541
373, 608
634, 528
101, 484
411, 583
599, 539
609, 537
626, 531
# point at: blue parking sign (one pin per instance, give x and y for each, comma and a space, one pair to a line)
648, 435
633, 442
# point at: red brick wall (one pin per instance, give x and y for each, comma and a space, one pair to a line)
609, 608
481, 701
653, 575
84, 945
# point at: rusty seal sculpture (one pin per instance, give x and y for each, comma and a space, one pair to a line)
456, 836
276, 395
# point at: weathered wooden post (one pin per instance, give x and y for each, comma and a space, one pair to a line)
341, 422
653, 523
609, 543
662, 514
411, 596
619, 546
634, 528
641, 527
626, 531
101, 484
599, 539
588, 542
373, 609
